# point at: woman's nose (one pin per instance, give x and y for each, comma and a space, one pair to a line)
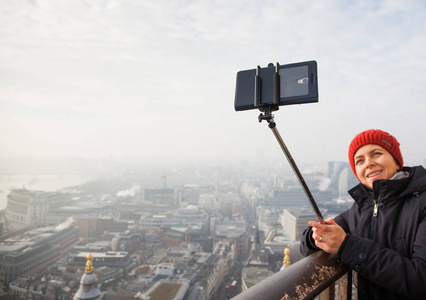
369, 162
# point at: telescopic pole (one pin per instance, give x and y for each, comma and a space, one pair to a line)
299, 176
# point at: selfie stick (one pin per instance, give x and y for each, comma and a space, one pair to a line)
269, 117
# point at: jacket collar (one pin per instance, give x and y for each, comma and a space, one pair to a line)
389, 189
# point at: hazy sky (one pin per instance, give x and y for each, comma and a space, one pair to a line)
155, 80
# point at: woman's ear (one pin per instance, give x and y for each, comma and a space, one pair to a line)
398, 167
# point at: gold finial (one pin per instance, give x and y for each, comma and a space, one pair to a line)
286, 260
89, 267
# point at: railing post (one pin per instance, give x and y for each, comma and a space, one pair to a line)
344, 286
328, 293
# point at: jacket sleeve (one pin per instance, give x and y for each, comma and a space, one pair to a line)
307, 243
388, 268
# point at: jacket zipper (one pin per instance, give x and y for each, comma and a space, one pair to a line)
375, 209
374, 222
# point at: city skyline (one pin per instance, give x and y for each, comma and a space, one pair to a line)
231, 222
146, 82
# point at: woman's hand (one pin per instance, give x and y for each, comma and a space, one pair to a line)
328, 236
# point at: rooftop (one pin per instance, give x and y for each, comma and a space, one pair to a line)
29, 238
165, 291
253, 275
103, 254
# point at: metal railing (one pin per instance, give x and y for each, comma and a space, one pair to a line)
308, 278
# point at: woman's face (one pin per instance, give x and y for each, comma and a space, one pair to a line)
373, 162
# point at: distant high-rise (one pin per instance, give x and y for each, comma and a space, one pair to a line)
294, 221
342, 178
343, 182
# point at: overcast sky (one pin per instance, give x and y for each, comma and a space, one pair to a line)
155, 80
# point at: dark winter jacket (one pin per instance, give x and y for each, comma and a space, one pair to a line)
386, 238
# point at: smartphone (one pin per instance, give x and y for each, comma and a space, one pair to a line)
298, 84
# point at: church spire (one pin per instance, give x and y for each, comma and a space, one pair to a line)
89, 267
88, 289
286, 259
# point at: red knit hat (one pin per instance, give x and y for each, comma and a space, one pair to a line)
377, 137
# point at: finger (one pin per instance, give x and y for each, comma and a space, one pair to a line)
319, 241
313, 223
317, 237
320, 228
330, 222
316, 224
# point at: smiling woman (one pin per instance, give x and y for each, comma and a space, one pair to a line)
386, 226
373, 155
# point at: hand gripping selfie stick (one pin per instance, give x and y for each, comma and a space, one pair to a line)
267, 115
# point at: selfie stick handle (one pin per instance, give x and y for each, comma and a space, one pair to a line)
269, 117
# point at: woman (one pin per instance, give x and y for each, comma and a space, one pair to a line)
382, 237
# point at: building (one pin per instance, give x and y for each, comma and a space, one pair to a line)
257, 268
26, 208
191, 215
126, 241
165, 289
188, 216
152, 220
286, 197
294, 221
109, 276
252, 275
267, 217
229, 204
210, 202
342, 178
37, 208
92, 227
90, 207
33, 251
113, 259
166, 196
234, 232
29, 288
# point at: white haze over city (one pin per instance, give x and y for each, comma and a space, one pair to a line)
154, 81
